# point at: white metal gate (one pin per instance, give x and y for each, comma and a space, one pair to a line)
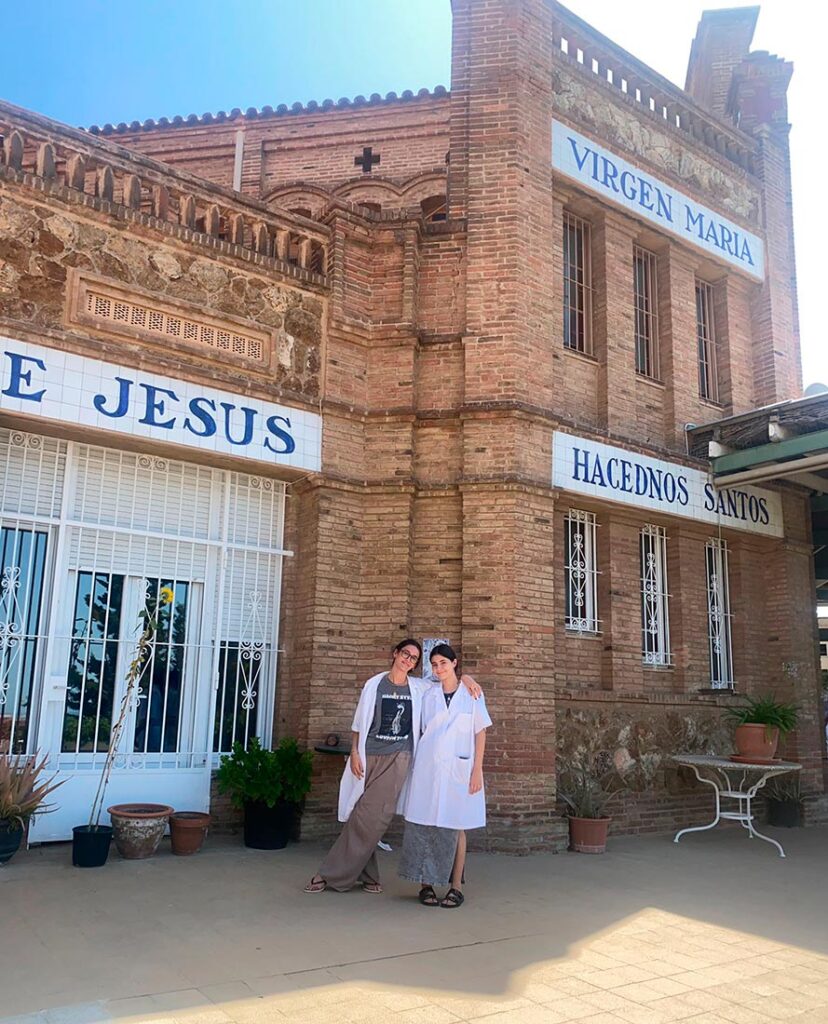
91, 538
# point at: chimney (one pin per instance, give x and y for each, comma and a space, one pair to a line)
722, 42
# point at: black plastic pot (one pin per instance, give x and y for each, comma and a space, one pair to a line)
268, 828
10, 838
90, 845
784, 813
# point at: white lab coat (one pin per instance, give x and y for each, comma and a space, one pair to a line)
351, 788
438, 791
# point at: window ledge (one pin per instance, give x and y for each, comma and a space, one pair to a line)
656, 668
713, 405
585, 634
653, 382
588, 356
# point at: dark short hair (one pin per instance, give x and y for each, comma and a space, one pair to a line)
405, 643
444, 650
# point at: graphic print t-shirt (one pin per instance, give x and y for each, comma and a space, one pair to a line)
391, 729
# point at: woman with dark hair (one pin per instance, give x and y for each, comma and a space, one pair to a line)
385, 733
446, 794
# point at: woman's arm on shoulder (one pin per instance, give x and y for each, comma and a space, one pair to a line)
471, 685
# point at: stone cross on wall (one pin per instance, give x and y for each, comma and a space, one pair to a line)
367, 160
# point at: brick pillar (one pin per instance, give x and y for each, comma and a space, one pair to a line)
619, 608
679, 349
687, 586
500, 179
733, 299
614, 320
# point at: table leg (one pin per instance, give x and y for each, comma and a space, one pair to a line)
716, 819
751, 793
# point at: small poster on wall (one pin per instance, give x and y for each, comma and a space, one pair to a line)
429, 643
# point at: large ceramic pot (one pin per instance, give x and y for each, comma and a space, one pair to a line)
268, 828
90, 845
588, 835
11, 836
756, 742
187, 831
138, 828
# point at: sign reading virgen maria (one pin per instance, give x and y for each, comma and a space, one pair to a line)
595, 168
616, 474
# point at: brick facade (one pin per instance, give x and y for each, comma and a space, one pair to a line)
433, 349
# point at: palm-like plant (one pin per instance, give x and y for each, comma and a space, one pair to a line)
765, 711
22, 790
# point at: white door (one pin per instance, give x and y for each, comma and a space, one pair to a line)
106, 533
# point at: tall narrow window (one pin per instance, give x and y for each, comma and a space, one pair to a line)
718, 614
646, 313
706, 337
581, 572
577, 304
655, 610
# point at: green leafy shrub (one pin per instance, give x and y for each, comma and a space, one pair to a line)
266, 776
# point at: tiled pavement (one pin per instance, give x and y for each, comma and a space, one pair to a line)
717, 930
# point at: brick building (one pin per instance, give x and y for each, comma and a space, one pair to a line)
420, 364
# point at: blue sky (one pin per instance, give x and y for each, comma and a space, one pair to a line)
99, 60
89, 61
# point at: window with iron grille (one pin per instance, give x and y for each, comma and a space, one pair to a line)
718, 614
646, 313
581, 572
577, 303
706, 336
655, 599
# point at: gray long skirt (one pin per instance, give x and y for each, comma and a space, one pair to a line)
428, 854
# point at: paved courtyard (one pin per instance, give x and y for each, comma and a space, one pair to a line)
716, 930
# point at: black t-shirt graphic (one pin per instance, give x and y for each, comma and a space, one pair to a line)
391, 728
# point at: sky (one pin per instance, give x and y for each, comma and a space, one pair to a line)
92, 61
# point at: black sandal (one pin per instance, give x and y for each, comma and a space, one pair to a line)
453, 899
428, 897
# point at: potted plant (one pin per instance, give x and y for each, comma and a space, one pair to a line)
784, 801
587, 782
270, 785
137, 828
22, 796
188, 830
760, 721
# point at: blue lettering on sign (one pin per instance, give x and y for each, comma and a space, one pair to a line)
635, 188
19, 377
717, 234
162, 408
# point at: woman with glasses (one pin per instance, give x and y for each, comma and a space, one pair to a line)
385, 733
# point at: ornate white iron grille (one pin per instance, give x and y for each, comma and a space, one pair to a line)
646, 313
706, 339
655, 611
718, 614
31, 489
581, 572
577, 275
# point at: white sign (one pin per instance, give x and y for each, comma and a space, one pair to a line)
616, 474
645, 196
83, 392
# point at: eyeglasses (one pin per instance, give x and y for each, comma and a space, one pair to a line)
408, 656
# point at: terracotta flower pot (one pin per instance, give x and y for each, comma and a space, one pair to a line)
588, 835
137, 828
757, 742
187, 831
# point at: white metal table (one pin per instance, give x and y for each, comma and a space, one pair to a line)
736, 782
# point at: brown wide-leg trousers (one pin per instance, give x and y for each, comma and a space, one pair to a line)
353, 857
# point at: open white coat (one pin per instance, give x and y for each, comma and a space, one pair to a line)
438, 788
351, 788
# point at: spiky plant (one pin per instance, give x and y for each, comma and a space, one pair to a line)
22, 790
765, 711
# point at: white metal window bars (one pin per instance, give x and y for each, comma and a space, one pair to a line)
577, 281
706, 339
718, 614
655, 610
581, 572
646, 313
